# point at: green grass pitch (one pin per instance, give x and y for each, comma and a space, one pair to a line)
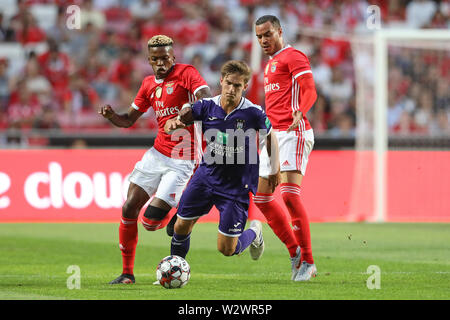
414, 260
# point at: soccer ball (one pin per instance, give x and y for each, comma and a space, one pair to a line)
173, 272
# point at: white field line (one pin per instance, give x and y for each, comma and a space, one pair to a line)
11, 295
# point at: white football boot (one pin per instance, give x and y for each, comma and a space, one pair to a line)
306, 272
257, 246
295, 263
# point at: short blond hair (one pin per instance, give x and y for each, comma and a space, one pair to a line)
160, 40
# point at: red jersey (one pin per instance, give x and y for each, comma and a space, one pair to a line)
56, 70
166, 97
282, 90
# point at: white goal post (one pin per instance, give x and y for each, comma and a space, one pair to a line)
381, 38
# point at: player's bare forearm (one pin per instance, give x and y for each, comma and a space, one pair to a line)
273, 152
203, 93
185, 115
120, 120
269, 143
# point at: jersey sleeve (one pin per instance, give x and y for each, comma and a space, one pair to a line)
142, 101
192, 80
298, 64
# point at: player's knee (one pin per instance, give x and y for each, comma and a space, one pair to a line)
152, 218
130, 210
155, 213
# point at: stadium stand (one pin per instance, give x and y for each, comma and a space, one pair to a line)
53, 77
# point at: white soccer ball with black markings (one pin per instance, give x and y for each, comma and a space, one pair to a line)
173, 272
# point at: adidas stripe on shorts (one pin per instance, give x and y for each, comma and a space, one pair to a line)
295, 148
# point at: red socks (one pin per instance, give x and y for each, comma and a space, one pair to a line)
300, 223
128, 238
152, 225
277, 220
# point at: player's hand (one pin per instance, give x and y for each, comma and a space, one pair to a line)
107, 112
274, 181
173, 124
298, 116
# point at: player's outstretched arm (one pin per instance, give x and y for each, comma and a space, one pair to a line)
274, 154
120, 120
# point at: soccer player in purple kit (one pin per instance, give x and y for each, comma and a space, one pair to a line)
230, 166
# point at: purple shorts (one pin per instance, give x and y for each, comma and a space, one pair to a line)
198, 199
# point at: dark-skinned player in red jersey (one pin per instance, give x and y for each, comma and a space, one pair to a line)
289, 94
165, 169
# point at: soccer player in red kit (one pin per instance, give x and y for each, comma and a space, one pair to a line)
289, 94
165, 169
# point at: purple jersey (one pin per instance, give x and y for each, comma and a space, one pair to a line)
230, 163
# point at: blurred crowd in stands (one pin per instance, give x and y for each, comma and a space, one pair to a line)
54, 77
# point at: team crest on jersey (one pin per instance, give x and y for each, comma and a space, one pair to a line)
274, 66
169, 88
240, 124
158, 92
